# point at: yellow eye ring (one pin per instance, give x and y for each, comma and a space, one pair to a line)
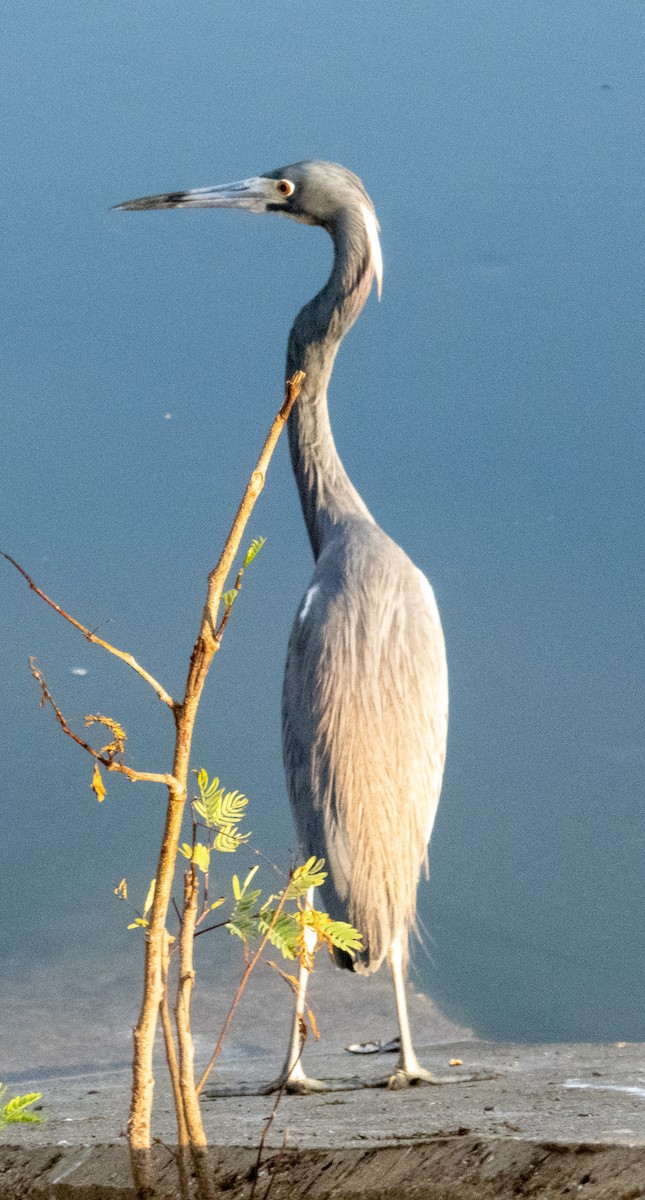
285, 187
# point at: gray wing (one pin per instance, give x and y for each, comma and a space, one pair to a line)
364, 730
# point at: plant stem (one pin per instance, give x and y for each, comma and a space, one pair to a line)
182, 1011
139, 1125
171, 1050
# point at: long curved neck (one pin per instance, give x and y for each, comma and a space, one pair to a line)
327, 495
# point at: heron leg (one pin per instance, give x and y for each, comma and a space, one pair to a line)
292, 1076
409, 1071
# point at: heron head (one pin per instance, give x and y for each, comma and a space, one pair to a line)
318, 193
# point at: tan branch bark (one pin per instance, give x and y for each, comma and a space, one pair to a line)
92, 637
171, 1049
182, 1011
139, 1131
217, 577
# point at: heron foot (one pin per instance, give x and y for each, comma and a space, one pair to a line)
418, 1076
303, 1085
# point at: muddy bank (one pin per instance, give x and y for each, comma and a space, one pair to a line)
447, 1168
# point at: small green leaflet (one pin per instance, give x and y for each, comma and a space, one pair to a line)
243, 922
284, 934
309, 875
149, 897
253, 551
199, 854
229, 598
228, 840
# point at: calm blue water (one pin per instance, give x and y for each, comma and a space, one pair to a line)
490, 410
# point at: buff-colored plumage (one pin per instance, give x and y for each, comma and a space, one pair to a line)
364, 728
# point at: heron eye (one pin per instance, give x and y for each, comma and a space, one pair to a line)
285, 187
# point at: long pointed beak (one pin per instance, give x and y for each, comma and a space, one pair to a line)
252, 194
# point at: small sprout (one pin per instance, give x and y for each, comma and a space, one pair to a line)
253, 551
199, 854
229, 598
13, 1112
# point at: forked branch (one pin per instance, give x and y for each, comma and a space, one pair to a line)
106, 760
92, 637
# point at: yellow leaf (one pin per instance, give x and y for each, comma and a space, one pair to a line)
314, 1027
112, 748
149, 898
97, 784
122, 890
456, 1062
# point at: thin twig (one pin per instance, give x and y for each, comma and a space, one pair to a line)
270, 1119
109, 763
258, 1161
217, 576
243, 982
91, 637
277, 1163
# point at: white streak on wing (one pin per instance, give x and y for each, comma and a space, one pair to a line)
371, 226
429, 598
308, 601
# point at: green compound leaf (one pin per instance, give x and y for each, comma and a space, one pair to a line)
244, 919
217, 808
309, 875
13, 1113
334, 933
284, 934
228, 840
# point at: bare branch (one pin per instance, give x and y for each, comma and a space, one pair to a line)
92, 637
217, 577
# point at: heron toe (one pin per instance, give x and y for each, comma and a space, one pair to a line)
419, 1076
